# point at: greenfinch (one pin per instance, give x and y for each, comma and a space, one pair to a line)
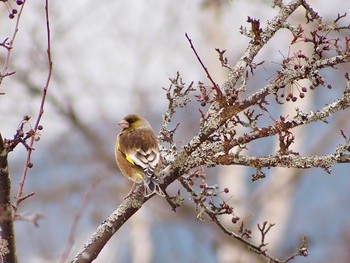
137, 154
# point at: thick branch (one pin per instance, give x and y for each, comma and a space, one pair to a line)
289, 161
128, 207
111, 225
7, 235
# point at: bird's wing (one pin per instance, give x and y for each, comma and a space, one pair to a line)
146, 159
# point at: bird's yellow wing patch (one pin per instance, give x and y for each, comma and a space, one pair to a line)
127, 157
139, 176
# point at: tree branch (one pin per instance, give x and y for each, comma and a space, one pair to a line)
7, 239
217, 136
37, 125
9, 45
253, 48
105, 231
288, 161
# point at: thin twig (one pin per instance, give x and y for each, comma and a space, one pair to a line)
41, 111
200, 61
9, 47
77, 218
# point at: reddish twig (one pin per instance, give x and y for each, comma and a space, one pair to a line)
264, 229
24, 197
40, 114
9, 46
216, 86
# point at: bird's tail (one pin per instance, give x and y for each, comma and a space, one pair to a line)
151, 187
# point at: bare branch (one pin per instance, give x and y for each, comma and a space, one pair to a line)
105, 231
201, 62
37, 125
253, 49
9, 46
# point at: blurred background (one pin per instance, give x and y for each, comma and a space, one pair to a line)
113, 58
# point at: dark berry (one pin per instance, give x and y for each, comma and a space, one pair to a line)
14, 11
294, 99
301, 95
235, 219
304, 89
11, 16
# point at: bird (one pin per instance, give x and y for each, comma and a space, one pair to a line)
137, 154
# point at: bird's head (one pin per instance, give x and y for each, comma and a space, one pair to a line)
133, 121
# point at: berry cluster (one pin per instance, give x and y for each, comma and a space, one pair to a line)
290, 95
12, 11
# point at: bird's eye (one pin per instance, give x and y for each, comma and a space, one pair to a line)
132, 120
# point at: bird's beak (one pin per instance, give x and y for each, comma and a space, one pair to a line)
123, 124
